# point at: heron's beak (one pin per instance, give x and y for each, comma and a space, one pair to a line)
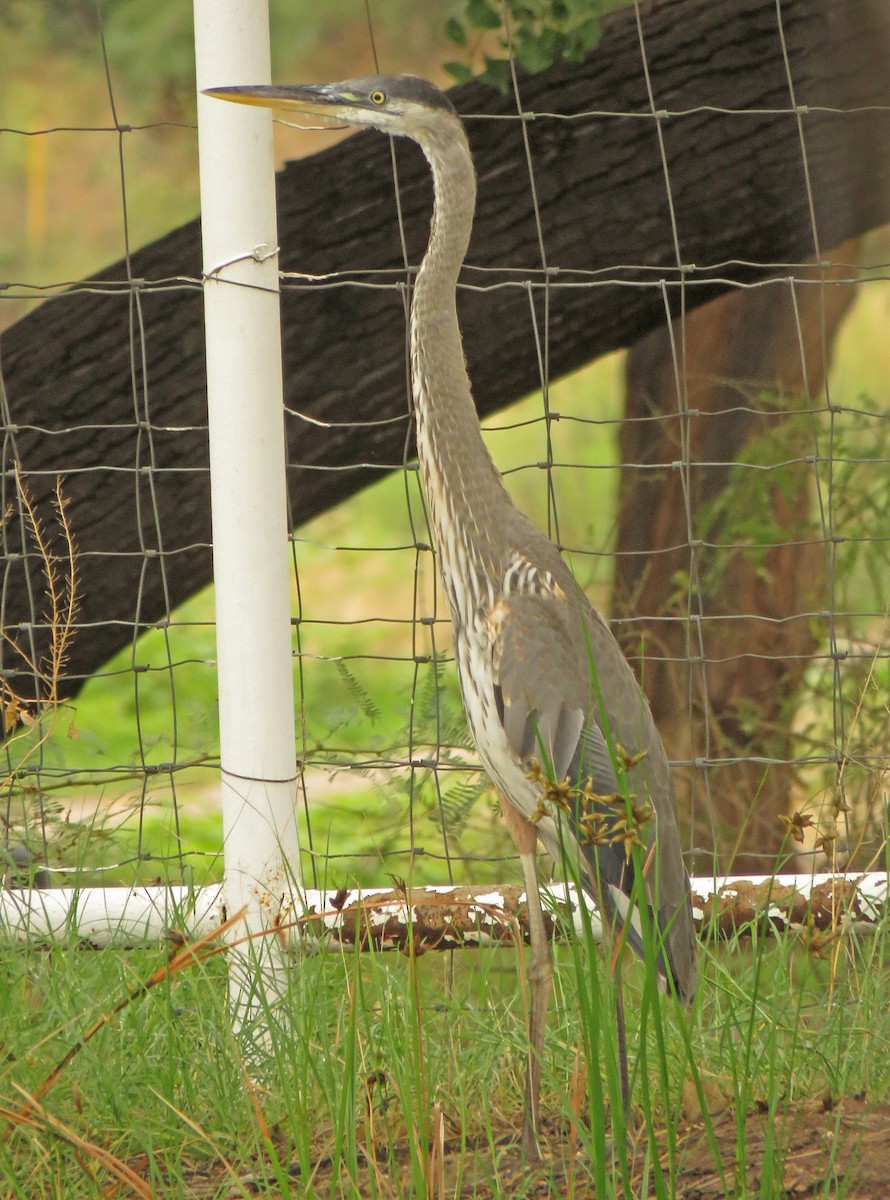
319, 100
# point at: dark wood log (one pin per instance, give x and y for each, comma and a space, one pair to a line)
120, 425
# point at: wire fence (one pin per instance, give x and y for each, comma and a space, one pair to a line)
720, 491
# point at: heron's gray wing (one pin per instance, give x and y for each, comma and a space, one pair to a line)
545, 699
543, 667
540, 691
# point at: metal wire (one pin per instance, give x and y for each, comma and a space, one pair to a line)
380, 745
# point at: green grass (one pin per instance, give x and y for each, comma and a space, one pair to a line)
369, 1051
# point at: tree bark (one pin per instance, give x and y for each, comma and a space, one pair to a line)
722, 570
105, 383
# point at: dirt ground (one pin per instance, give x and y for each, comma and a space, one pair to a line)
826, 1149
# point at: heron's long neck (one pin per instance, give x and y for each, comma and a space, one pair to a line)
465, 493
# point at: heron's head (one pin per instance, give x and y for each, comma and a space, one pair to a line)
398, 104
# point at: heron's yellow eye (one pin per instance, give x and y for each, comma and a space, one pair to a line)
378, 97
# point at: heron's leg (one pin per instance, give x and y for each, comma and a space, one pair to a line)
539, 973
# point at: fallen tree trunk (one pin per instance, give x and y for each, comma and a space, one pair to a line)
105, 383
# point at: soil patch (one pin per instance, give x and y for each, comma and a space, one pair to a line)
818, 1148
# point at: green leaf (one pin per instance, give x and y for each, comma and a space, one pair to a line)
583, 39
551, 46
531, 55
483, 14
361, 698
497, 73
455, 32
535, 11
459, 72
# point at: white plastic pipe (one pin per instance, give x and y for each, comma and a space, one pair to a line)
477, 916
248, 483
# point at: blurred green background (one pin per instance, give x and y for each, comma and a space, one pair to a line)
126, 778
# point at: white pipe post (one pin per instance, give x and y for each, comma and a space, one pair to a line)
248, 494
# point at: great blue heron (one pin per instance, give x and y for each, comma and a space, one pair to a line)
556, 713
